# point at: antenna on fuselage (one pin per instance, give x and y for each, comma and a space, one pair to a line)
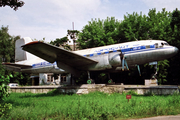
136, 39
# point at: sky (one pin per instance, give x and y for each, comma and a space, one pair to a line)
50, 19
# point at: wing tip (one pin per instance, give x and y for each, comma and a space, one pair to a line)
34, 42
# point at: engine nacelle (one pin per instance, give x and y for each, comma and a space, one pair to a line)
114, 59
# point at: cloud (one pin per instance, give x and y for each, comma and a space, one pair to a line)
170, 5
55, 17
78, 11
52, 18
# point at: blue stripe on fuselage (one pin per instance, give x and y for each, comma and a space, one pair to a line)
131, 50
43, 64
150, 49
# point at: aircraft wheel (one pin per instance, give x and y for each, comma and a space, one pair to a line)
90, 81
110, 81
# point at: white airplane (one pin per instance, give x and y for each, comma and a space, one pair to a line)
111, 58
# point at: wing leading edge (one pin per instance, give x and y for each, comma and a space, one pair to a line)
52, 53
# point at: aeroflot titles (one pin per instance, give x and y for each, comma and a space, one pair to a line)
43, 64
124, 48
111, 49
135, 47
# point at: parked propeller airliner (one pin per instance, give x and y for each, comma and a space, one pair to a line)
111, 58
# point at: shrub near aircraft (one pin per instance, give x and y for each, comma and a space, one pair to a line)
111, 58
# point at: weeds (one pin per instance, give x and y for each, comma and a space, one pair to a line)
96, 105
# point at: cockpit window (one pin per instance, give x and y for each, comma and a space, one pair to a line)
162, 44
166, 44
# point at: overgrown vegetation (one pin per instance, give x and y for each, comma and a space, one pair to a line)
4, 93
96, 105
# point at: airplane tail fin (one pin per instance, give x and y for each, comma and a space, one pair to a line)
21, 55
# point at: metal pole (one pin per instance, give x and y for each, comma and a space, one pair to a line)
74, 46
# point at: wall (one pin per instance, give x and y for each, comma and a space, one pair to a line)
86, 88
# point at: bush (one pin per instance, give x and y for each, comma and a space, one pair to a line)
4, 93
4, 88
4, 109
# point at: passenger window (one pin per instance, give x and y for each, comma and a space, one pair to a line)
147, 46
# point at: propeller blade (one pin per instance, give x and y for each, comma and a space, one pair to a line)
126, 64
123, 64
139, 70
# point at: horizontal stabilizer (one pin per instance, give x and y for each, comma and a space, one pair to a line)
52, 53
15, 67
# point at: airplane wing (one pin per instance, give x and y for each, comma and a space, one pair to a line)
52, 53
15, 67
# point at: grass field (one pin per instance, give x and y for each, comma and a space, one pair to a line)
97, 105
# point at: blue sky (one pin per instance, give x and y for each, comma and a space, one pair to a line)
50, 19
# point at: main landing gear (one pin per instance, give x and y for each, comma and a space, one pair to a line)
153, 76
110, 81
90, 81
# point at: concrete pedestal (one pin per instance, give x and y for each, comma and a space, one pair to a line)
151, 82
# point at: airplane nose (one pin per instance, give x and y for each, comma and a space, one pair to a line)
176, 50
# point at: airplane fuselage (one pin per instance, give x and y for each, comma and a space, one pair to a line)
110, 57
135, 53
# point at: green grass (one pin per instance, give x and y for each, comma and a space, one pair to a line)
97, 105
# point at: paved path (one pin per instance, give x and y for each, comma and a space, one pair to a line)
170, 117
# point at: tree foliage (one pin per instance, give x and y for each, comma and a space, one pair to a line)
7, 45
11, 3
73, 33
175, 19
174, 70
62, 42
4, 91
99, 33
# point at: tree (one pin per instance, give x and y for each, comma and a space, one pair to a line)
11, 3
133, 27
98, 33
7, 45
175, 19
73, 35
62, 42
174, 70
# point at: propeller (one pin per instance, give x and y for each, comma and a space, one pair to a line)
123, 61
